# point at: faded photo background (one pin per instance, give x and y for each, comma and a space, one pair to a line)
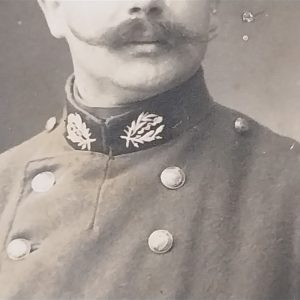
258, 75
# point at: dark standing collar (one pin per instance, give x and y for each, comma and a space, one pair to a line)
139, 126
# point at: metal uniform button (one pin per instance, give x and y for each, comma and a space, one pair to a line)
241, 125
50, 124
172, 178
18, 249
43, 182
160, 241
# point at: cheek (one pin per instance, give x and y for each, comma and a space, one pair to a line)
193, 14
92, 18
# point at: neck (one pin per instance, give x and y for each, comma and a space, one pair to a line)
159, 119
102, 92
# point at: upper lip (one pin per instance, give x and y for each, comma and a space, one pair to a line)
141, 32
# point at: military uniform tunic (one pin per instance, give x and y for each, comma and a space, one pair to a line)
176, 197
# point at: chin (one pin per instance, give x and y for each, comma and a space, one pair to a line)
150, 78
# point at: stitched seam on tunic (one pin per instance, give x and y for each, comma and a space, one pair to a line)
99, 194
12, 215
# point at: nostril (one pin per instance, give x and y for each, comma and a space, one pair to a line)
134, 10
155, 11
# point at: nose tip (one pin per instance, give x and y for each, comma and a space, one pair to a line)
147, 7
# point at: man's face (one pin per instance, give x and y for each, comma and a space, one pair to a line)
136, 44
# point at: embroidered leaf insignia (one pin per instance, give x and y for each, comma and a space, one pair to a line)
78, 132
143, 130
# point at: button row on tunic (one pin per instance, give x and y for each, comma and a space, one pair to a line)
172, 178
160, 241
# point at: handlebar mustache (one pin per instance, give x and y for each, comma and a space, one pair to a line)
141, 29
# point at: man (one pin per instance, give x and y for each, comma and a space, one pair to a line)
147, 189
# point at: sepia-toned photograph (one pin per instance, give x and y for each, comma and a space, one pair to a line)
149, 150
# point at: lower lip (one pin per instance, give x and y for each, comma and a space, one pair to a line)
146, 49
